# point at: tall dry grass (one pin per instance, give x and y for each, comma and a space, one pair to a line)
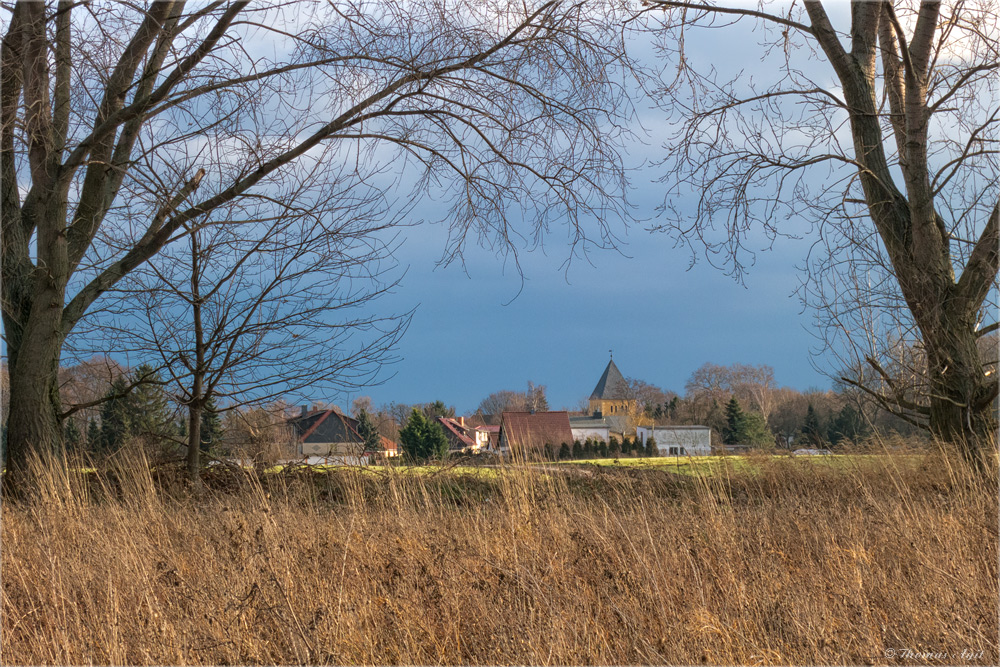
797, 563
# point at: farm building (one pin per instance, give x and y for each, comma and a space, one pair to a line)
678, 440
528, 433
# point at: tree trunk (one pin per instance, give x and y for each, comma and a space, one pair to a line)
33, 424
194, 441
961, 409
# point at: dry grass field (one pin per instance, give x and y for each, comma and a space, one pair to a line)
808, 564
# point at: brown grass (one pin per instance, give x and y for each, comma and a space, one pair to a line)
792, 564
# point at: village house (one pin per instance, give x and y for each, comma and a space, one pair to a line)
331, 435
528, 434
488, 437
461, 439
590, 428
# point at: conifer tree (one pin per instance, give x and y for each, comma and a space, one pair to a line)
614, 448
812, 433
117, 416
368, 433
565, 453
577, 450
602, 449
847, 425
732, 434
152, 415
211, 425
422, 439
93, 435
72, 435
651, 449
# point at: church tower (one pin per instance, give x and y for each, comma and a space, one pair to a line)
611, 395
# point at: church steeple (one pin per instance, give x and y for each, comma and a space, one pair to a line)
612, 385
611, 395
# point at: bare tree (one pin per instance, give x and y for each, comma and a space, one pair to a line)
260, 435
123, 127
82, 387
502, 401
362, 404
647, 397
245, 318
506, 400
887, 144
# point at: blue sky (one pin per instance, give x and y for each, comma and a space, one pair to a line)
475, 334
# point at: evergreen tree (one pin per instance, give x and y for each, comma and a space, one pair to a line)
549, 451
422, 439
614, 448
211, 425
745, 428
847, 425
368, 433
577, 450
588, 449
438, 409
564, 452
72, 435
733, 432
672, 407
755, 431
812, 433
602, 449
93, 435
152, 417
117, 416
651, 449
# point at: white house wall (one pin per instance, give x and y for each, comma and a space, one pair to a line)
585, 433
695, 441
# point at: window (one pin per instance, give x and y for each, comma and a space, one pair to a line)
672, 451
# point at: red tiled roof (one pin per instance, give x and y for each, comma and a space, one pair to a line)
535, 430
451, 426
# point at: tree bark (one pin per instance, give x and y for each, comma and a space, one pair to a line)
194, 441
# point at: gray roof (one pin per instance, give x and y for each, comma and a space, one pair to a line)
587, 422
611, 386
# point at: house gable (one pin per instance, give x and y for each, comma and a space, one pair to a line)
529, 432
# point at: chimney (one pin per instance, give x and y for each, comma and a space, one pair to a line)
305, 410
461, 422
